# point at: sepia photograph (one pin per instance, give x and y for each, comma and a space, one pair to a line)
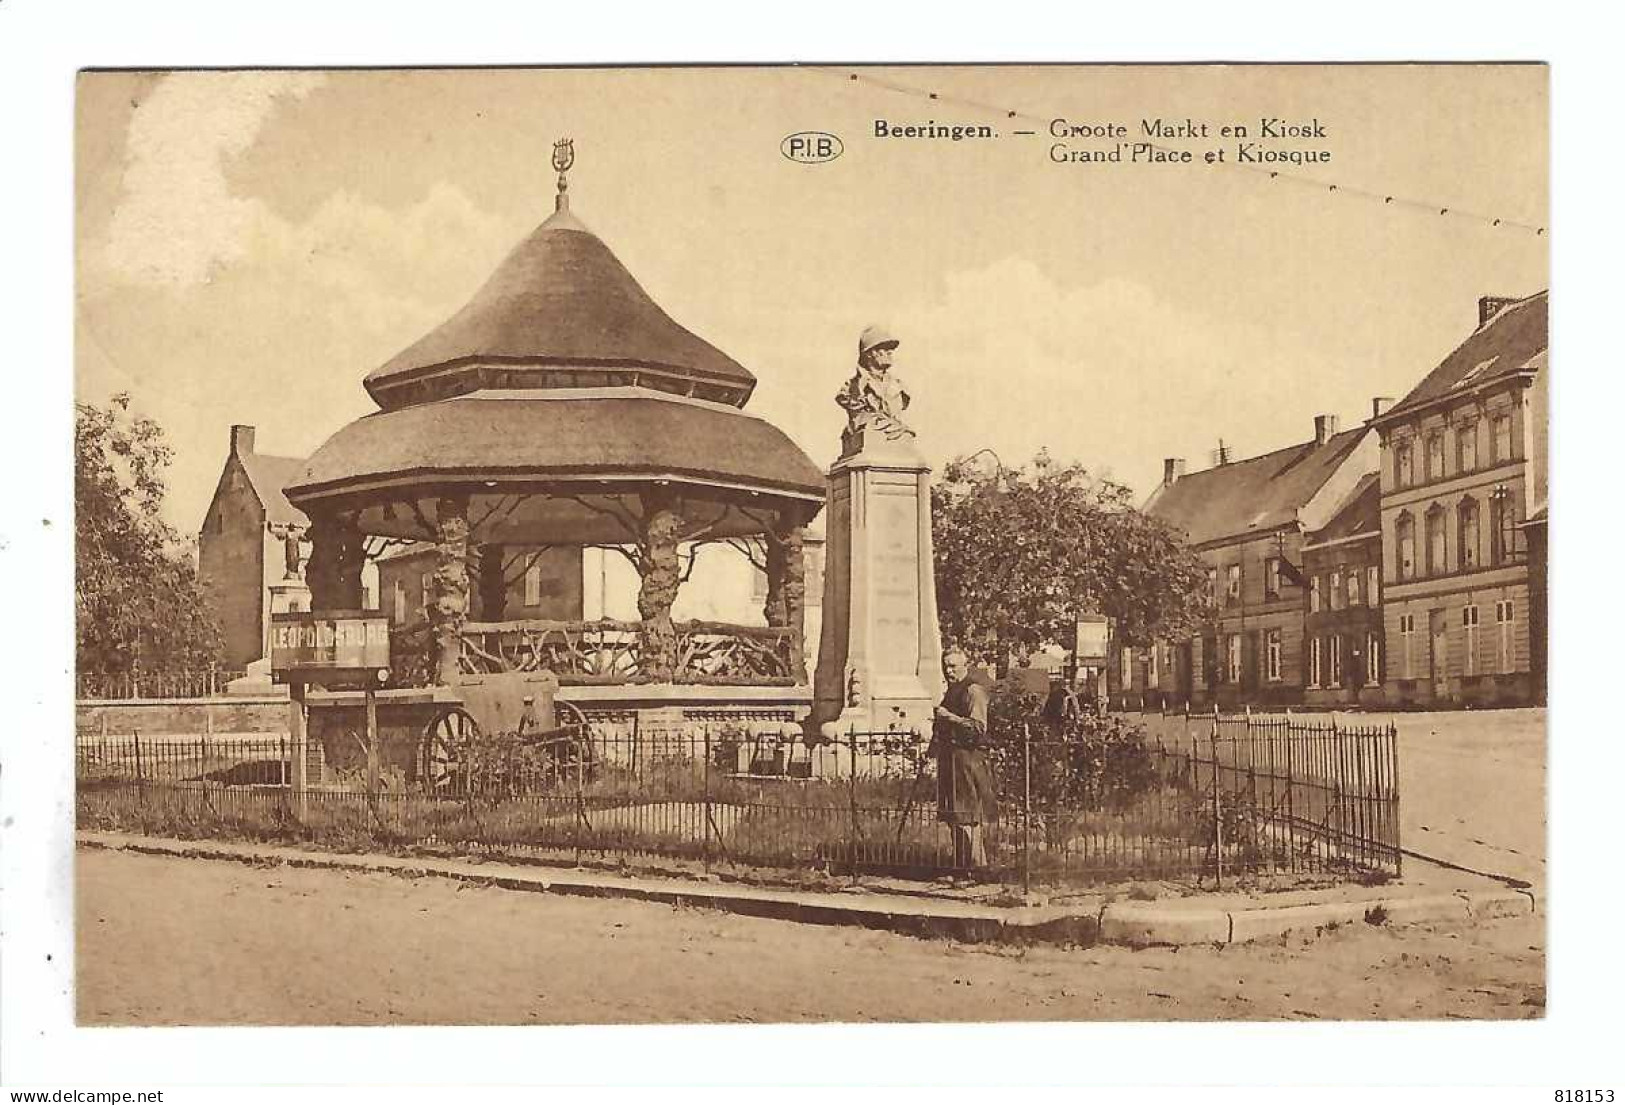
629, 545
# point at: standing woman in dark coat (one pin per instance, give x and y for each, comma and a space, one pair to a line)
965, 797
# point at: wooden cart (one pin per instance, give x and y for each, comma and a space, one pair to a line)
507, 733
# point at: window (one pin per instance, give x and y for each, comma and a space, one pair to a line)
1371, 574
1128, 669
1314, 594
1501, 439
1405, 532
533, 584
1354, 586
1272, 656
1407, 650
1435, 453
423, 585
1436, 549
1334, 590
400, 602
1272, 577
1467, 534
1467, 446
1335, 651
1503, 628
1232, 584
1502, 535
1373, 659
1153, 677
1469, 627
1314, 661
1213, 586
1403, 475
1233, 658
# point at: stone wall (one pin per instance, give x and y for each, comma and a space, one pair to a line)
185, 717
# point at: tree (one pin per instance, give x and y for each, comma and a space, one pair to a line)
137, 600
1020, 555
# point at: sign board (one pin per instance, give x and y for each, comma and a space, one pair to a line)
337, 644
1093, 636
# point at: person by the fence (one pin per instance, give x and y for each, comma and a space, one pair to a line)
965, 795
1063, 707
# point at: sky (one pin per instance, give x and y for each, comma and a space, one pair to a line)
252, 244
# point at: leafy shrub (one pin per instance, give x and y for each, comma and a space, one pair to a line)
1088, 762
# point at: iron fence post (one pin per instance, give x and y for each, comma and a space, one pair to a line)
298, 742
1393, 745
705, 847
579, 829
852, 807
1218, 823
1026, 809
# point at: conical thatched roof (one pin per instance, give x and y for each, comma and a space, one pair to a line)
560, 311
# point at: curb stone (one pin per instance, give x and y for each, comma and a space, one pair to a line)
1131, 924
1142, 926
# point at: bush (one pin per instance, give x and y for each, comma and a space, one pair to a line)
1089, 762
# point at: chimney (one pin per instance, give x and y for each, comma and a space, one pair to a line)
1221, 455
242, 440
1490, 305
1325, 427
1172, 469
1380, 404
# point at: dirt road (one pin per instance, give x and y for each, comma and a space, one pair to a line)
172, 941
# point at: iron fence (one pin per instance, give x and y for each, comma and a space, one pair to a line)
1279, 799
137, 685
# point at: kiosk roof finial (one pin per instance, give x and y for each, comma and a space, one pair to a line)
564, 156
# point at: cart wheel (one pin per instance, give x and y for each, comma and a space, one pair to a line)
446, 741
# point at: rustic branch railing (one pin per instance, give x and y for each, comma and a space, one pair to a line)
141, 684
607, 651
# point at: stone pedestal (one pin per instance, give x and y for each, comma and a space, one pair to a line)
880, 650
289, 595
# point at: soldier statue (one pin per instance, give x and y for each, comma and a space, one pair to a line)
873, 397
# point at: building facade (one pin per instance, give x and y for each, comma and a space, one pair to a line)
1462, 470
242, 544
1343, 624
1247, 520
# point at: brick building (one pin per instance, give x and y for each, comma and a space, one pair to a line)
1463, 469
1342, 563
241, 543
1247, 521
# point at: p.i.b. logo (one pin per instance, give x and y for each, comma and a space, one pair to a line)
811, 147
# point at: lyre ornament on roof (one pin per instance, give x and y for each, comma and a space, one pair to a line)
564, 156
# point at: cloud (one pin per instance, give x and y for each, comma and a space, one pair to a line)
177, 218
1111, 370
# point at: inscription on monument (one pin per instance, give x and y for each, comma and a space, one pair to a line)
895, 528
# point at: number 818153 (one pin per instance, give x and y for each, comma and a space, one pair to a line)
1583, 1097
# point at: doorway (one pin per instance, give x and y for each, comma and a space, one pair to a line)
1439, 653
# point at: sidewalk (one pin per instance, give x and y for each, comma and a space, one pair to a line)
1430, 894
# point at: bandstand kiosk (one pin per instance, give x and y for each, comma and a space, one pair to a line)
560, 406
